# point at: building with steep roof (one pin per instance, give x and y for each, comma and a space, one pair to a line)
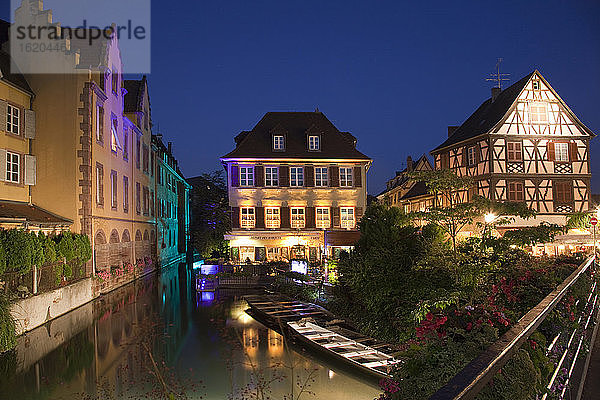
523, 144
402, 191
297, 188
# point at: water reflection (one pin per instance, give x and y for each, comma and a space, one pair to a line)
158, 333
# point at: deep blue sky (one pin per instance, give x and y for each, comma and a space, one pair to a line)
393, 73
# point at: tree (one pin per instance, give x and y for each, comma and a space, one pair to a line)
579, 220
447, 212
210, 218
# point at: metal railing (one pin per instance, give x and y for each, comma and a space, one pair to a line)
479, 372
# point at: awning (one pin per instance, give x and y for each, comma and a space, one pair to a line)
21, 212
341, 238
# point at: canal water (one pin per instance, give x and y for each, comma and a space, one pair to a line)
157, 336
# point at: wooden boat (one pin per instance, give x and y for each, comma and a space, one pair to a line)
366, 358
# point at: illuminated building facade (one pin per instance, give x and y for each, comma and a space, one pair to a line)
297, 188
523, 144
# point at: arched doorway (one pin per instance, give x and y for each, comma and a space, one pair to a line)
146, 243
101, 249
126, 247
139, 246
114, 248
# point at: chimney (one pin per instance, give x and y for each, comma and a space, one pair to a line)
452, 129
409, 164
495, 92
170, 146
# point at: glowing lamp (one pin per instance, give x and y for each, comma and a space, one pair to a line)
489, 218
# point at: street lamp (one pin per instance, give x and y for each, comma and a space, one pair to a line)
489, 218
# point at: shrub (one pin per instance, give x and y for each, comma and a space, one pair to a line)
66, 246
58, 273
18, 250
83, 248
7, 326
49, 249
2, 257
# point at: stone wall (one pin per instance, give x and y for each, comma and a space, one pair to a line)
34, 311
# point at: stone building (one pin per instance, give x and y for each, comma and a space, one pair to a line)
297, 188
172, 204
92, 154
17, 162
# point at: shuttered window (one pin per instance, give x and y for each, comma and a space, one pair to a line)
297, 215
13, 167
125, 194
563, 192
297, 176
246, 176
247, 217
272, 217
323, 219
13, 119
561, 151
100, 124
138, 200
515, 191
347, 217
345, 176
271, 176
514, 151
471, 155
113, 189
99, 184
321, 176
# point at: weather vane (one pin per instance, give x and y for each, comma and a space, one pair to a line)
497, 76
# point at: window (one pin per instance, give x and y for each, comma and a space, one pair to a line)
271, 176
114, 139
445, 161
246, 176
347, 217
563, 192
272, 219
296, 176
322, 215
407, 208
345, 176
100, 124
13, 119
314, 143
125, 194
13, 167
138, 200
247, 217
536, 85
137, 151
297, 214
125, 144
151, 164
538, 113
115, 80
146, 200
146, 158
514, 151
321, 178
152, 203
515, 191
278, 142
113, 189
561, 151
471, 155
99, 184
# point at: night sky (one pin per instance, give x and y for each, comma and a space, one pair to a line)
394, 74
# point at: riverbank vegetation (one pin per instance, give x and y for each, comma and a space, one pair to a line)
443, 300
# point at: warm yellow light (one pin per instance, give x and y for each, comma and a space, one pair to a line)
598, 212
489, 218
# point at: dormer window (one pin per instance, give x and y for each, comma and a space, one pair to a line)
314, 143
278, 142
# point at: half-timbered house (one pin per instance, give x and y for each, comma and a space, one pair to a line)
523, 144
406, 193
